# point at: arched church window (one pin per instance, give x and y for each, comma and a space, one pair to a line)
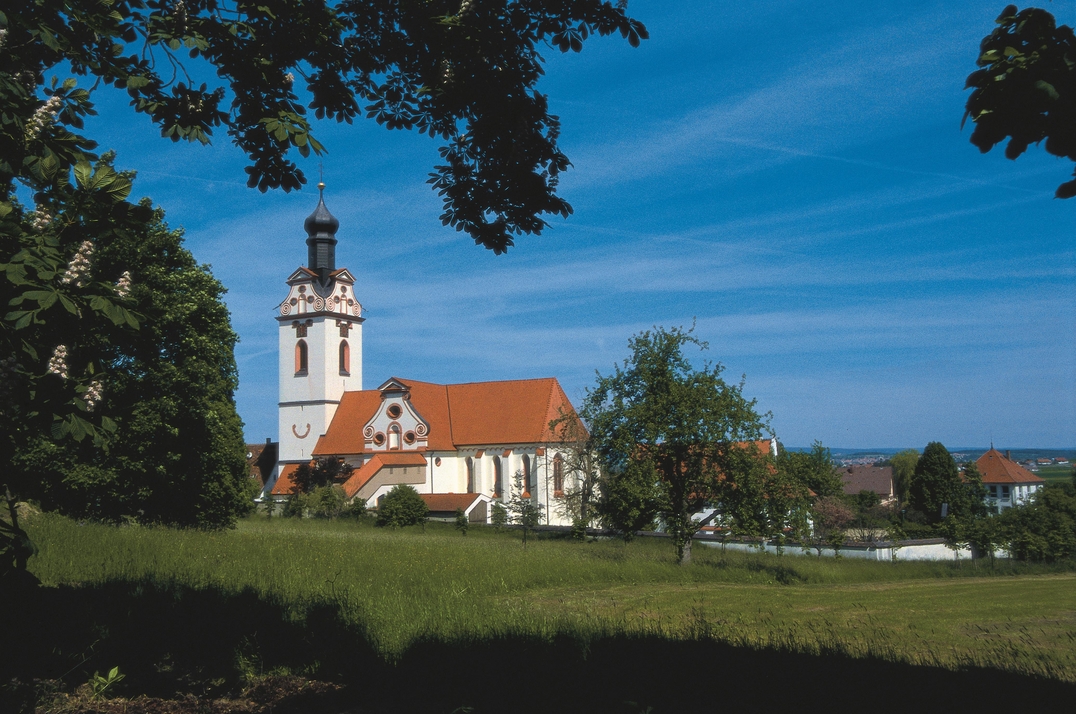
470, 475
529, 482
497, 486
300, 357
345, 358
394, 436
558, 475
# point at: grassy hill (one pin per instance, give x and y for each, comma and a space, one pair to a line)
343, 600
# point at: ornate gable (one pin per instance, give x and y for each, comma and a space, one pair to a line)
396, 425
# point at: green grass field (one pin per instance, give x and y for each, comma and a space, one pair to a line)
403, 587
1056, 474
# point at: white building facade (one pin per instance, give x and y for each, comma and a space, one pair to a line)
483, 442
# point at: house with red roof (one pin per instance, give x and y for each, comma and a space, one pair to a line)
462, 446
1007, 483
877, 479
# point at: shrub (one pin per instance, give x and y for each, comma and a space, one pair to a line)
355, 509
295, 506
325, 502
499, 517
461, 521
402, 506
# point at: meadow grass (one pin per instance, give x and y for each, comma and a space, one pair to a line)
409, 585
1056, 473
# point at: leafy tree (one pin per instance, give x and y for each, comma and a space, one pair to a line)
460, 70
663, 417
829, 515
581, 460
903, 463
176, 445
1045, 529
1025, 89
322, 472
499, 516
524, 511
629, 500
759, 499
937, 481
461, 521
813, 469
402, 506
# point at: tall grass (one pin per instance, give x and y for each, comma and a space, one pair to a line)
404, 586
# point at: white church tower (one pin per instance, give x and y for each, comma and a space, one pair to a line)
320, 341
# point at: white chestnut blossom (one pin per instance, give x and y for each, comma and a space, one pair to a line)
123, 285
58, 361
43, 117
79, 267
39, 219
93, 394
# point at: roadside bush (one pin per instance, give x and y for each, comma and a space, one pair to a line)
402, 506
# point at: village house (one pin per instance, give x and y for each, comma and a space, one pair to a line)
876, 479
464, 446
1007, 483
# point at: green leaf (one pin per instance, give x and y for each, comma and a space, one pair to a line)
83, 173
1048, 88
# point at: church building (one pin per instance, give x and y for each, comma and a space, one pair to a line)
459, 445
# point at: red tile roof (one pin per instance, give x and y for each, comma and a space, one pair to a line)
475, 414
284, 485
878, 479
361, 475
995, 468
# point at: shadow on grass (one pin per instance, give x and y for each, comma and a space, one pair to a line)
172, 639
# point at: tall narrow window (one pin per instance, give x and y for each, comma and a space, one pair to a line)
300, 357
558, 475
394, 436
497, 486
345, 358
529, 482
470, 475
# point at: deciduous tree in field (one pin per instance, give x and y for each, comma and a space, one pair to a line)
814, 469
903, 463
830, 515
658, 414
937, 483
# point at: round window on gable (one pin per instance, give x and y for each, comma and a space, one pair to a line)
409, 437
379, 438
394, 411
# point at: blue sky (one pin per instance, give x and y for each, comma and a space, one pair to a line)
792, 175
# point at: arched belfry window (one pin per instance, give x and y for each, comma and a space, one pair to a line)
558, 475
497, 485
300, 357
345, 358
470, 475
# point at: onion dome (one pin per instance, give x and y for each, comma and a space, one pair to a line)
321, 238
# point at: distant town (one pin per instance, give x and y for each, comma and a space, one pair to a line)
1031, 459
